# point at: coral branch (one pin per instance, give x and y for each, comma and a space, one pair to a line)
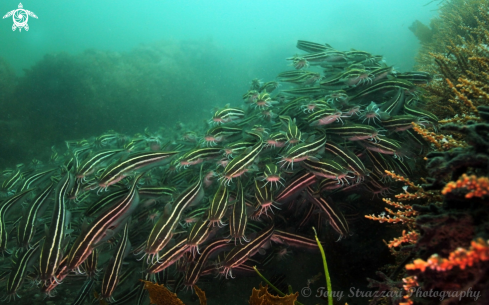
410, 238
402, 179
477, 187
478, 252
441, 142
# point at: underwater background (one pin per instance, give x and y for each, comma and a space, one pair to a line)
155, 152
93, 67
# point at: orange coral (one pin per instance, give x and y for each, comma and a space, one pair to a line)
441, 141
201, 294
460, 119
419, 194
410, 237
478, 251
477, 187
160, 295
460, 94
410, 283
404, 217
261, 296
402, 179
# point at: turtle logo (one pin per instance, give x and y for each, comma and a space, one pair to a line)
20, 17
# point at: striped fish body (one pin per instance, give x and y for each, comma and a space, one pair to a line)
302, 151
239, 217
198, 234
218, 206
36, 179
169, 257
94, 162
264, 199
111, 275
156, 192
384, 85
299, 182
162, 231
198, 155
4, 209
335, 216
195, 270
20, 267
48, 287
354, 132
97, 230
27, 225
240, 164
240, 254
294, 240
353, 162
90, 264
52, 253
415, 77
325, 168
324, 117
312, 47
395, 104
384, 146
400, 122
105, 202
119, 170
9, 184
227, 115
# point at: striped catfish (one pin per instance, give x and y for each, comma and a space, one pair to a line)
4, 209
94, 162
27, 225
335, 216
20, 266
36, 178
198, 155
239, 216
240, 254
97, 231
195, 270
117, 171
9, 184
90, 265
295, 240
312, 47
111, 275
162, 231
49, 287
264, 199
226, 115
198, 234
239, 165
302, 151
169, 257
326, 168
297, 183
105, 202
219, 206
353, 162
51, 252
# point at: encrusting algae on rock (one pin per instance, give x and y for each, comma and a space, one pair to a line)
261, 296
160, 295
